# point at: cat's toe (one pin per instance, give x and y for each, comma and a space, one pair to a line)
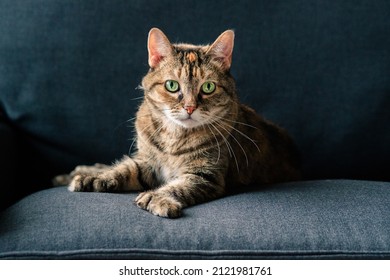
143, 199
88, 169
81, 183
62, 180
159, 204
102, 184
93, 183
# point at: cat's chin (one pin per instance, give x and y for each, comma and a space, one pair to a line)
187, 123
184, 120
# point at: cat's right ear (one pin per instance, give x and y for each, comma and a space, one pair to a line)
222, 49
158, 47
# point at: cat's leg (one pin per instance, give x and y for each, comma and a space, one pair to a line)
171, 198
122, 176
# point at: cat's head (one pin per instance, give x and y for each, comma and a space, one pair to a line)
190, 85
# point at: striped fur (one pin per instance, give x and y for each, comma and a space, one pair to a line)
193, 146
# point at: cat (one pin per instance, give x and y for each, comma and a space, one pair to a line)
194, 140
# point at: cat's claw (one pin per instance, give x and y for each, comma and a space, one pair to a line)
159, 204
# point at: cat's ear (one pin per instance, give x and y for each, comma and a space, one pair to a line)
158, 47
222, 49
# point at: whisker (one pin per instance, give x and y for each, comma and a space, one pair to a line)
122, 123
240, 132
136, 137
137, 116
235, 139
132, 144
156, 131
224, 139
246, 136
137, 98
234, 121
131, 119
245, 124
230, 149
216, 140
139, 87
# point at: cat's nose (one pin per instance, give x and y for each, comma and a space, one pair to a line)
190, 109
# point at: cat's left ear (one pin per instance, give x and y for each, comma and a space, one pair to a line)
222, 49
158, 47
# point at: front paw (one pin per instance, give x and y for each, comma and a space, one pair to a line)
93, 183
159, 204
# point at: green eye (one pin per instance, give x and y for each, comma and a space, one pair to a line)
208, 87
172, 86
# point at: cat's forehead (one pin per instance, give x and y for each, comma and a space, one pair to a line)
190, 53
182, 47
189, 62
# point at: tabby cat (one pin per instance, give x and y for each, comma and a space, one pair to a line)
194, 139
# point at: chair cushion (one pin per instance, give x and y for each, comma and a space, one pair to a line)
330, 219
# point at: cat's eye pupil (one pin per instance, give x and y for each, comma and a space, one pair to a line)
172, 86
208, 87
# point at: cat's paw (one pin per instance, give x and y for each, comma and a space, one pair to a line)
62, 180
89, 169
159, 204
93, 183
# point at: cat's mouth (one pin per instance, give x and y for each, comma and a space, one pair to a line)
185, 120
188, 122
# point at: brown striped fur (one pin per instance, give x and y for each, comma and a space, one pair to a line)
193, 146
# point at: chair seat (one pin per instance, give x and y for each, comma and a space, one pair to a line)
342, 219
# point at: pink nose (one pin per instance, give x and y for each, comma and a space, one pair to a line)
190, 109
